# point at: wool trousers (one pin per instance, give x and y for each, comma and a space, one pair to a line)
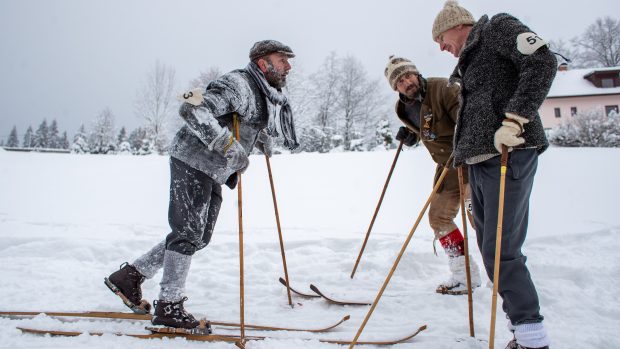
520, 299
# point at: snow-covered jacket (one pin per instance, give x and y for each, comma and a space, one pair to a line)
233, 93
503, 68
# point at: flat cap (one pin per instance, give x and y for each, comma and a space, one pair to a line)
265, 47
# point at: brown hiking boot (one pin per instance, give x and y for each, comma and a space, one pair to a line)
125, 283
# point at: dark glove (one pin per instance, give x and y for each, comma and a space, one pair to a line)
409, 138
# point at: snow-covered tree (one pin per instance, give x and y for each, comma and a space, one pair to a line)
80, 142
64, 141
122, 136
41, 137
53, 136
325, 91
140, 142
599, 45
27, 142
205, 78
155, 104
358, 101
13, 141
101, 139
383, 134
590, 129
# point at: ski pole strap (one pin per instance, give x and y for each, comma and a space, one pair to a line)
233, 134
235, 126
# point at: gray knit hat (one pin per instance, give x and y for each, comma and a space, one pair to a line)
397, 67
265, 47
449, 17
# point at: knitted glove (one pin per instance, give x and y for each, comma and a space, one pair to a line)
510, 132
236, 157
265, 143
409, 138
233, 151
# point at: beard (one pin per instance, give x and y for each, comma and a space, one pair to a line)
412, 91
275, 78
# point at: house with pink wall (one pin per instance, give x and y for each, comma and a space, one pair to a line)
580, 91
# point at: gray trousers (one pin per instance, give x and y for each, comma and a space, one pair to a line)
520, 300
195, 201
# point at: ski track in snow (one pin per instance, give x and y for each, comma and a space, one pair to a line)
85, 215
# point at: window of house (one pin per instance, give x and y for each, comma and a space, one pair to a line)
607, 82
558, 114
611, 108
573, 111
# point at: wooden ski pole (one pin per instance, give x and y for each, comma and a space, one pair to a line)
466, 247
241, 342
402, 251
275, 208
374, 216
498, 243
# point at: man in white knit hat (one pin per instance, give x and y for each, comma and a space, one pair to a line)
429, 108
505, 71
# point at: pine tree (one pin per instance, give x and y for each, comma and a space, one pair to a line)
41, 137
12, 141
64, 141
122, 145
53, 137
139, 141
80, 143
384, 135
27, 143
101, 140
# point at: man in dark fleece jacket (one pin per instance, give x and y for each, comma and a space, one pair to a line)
204, 155
505, 71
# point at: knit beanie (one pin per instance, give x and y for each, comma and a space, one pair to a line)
449, 17
396, 68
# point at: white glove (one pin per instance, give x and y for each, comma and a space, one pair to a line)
509, 134
193, 97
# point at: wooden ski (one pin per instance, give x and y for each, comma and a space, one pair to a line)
194, 337
331, 300
320, 294
306, 295
133, 316
215, 337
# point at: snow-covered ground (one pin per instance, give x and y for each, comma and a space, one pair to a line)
67, 221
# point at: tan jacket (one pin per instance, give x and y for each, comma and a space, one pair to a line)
438, 115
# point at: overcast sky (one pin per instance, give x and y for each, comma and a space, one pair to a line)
69, 59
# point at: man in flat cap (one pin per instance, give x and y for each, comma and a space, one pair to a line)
429, 107
204, 155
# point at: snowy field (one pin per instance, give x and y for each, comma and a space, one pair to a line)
67, 221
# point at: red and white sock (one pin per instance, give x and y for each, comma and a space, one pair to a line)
453, 243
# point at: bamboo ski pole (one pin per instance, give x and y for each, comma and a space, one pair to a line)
275, 208
402, 251
498, 243
241, 343
466, 247
374, 216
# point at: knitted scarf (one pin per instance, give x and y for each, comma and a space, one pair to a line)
276, 97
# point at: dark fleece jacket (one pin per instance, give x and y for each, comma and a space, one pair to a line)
496, 78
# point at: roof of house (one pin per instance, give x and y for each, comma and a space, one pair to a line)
572, 83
